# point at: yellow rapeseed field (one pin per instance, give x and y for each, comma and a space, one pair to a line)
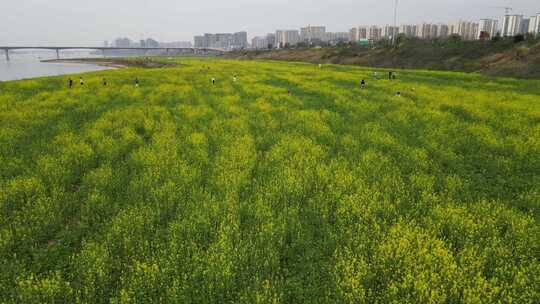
289, 185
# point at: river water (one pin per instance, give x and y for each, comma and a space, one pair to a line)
29, 65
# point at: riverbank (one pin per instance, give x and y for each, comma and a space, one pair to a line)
20, 68
139, 62
108, 63
494, 58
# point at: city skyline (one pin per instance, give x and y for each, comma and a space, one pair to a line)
485, 28
166, 20
468, 30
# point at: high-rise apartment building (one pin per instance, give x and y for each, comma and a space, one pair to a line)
534, 25
524, 26
358, 33
465, 29
488, 28
220, 41
313, 33
271, 39
353, 34
200, 42
389, 31
150, 43
434, 30
224, 41
426, 31
123, 42
374, 33
259, 42
512, 25
240, 40
408, 30
443, 31
473, 32
336, 37
363, 32
287, 37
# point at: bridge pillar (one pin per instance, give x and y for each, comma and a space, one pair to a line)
103, 53
7, 54
58, 54
167, 52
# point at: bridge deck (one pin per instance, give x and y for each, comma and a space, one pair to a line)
103, 49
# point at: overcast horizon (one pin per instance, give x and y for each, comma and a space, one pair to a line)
27, 22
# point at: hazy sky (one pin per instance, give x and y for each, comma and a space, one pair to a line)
90, 22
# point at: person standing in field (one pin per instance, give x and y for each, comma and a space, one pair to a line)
235, 78
81, 81
362, 84
104, 82
376, 75
136, 82
213, 81
390, 75
70, 83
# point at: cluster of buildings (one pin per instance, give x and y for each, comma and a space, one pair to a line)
519, 24
281, 38
146, 43
465, 29
264, 42
224, 41
485, 29
309, 34
316, 34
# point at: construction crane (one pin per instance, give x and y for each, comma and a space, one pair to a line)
506, 9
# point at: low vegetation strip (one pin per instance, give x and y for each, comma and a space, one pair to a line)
289, 185
494, 58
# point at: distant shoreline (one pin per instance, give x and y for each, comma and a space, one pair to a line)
94, 61
29, 68
116, 62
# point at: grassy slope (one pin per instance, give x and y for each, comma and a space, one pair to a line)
497, 59
240, 192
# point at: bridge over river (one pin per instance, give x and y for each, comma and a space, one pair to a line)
104, 49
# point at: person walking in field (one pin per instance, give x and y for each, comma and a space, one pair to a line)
376, 75
81, 81
390, 75
213, 81
104, 82
235, 78
363, 84
136, 82
70, 83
